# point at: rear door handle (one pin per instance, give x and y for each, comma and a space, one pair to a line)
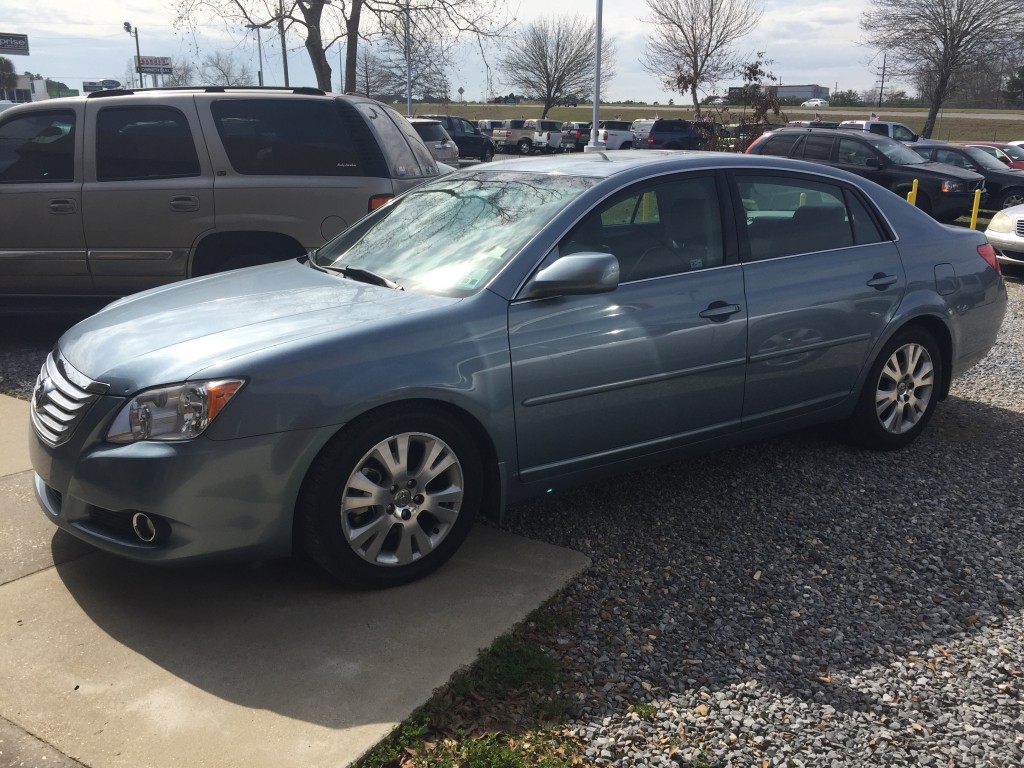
881, 281
63, 205
718, 311
184, 203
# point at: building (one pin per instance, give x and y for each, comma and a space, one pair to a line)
26, 90
796, 92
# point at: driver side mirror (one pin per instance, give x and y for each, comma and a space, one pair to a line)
575, 274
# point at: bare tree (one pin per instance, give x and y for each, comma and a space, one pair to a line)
938, 41
182, 73
8, 76
221, 69
322, 23
555, 58
691, 48
373, 78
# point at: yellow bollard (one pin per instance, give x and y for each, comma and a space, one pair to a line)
974, 209
912, 194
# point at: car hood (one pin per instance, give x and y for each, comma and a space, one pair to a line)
944, 170
172, 333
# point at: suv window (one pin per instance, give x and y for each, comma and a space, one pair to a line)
779, 145
144, 143
38, 147
430, 131
817, 148
301, 138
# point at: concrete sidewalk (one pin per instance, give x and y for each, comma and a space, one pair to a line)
107, 663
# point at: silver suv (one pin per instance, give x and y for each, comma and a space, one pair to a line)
117, 191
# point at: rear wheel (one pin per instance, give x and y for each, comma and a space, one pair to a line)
487, 155
626, 145
525, 147
390, 499
900, 393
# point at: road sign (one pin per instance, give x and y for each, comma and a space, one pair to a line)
89, 86
11, 43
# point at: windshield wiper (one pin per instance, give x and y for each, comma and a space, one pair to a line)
363, 275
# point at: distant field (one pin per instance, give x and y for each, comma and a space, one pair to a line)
959, 125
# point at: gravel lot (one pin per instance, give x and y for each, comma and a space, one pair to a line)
795, 602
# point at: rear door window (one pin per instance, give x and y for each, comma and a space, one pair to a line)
38, 147
135, 143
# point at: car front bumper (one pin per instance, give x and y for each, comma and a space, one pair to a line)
1009, 247
209, 499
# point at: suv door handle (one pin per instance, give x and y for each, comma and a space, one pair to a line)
184, 203
63, 205
718, 311
881, 281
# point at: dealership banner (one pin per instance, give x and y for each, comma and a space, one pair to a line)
11, 43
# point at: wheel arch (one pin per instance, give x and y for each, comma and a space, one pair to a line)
216, 248
494, 479
939, 331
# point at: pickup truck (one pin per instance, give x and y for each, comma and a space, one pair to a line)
525, 136
616, 134
897, 131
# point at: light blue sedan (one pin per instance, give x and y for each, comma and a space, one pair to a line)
496, 334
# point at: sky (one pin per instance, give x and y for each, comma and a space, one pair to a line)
79, 40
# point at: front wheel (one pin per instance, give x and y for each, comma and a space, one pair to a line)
390, 499
900, 393
1010, 198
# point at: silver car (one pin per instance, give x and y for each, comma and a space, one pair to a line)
1006, 232
503, 332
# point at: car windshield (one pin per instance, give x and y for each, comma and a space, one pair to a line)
900, 154
984, 159
452, 235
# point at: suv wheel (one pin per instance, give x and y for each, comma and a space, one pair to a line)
1010, 198
487, 155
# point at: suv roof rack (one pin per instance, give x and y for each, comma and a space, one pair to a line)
302, 90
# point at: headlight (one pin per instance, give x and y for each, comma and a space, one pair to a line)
954, 186
1001, 223
179, 412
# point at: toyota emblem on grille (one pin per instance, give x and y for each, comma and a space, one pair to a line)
42, 393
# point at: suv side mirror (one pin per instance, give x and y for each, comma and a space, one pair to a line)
873, 162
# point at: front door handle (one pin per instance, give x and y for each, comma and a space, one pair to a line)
881, 281
184, 203
63, 205
718, 311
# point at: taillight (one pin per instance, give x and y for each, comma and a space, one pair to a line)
604, 135
376, 201
650, 139
547, 136
988, 253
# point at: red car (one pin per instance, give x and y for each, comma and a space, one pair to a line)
1008, 154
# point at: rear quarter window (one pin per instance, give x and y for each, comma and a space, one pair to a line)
407, 156
300, 137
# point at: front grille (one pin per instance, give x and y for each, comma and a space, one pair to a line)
60, 398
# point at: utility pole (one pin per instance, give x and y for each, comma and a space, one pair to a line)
881, 88
259, 46
134, 32
284, 48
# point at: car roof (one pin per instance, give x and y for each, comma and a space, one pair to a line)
864, 136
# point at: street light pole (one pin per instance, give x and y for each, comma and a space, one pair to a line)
134, 32
259, 46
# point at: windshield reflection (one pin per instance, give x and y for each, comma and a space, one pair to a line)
452, 235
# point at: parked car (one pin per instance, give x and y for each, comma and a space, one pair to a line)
487, 126
1006, 233
661, 133
615, 134
1009, 155
472, 143
575, 136
945, 192
506, 331
815, 103
1004, 188
719, 101
117, 191
889, 128
438, 142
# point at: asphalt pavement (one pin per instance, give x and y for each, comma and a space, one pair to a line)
108, 664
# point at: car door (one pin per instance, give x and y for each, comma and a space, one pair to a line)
148, 192
822, 278
656, 363
42, 245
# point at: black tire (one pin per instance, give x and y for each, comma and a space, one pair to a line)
626, 145
487, 155
1010, 198
525, 147
900, 392
370, 523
